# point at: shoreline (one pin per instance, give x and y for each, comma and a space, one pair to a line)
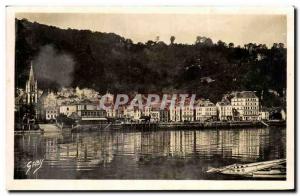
152, 126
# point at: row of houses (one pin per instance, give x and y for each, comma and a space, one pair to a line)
84, 104
242, 106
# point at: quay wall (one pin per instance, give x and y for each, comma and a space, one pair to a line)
144, 126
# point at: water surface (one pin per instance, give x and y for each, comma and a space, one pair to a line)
163, 154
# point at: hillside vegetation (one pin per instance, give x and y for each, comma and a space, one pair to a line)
109, 62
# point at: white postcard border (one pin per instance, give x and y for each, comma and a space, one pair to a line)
13, 184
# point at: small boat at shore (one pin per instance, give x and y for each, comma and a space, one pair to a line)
266, 169
272, 173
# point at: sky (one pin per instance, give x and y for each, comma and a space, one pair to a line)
238, 29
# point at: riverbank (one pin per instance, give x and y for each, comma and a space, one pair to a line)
152, 126
41, 128
144, 126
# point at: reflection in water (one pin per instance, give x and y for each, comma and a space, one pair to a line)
144, 155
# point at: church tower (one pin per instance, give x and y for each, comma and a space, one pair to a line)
31, 88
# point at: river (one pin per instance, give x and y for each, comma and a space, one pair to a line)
163, 154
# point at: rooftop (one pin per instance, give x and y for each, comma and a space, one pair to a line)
245, 94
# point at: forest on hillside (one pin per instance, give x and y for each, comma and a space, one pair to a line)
109, 62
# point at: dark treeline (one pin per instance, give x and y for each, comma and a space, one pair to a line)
109, 62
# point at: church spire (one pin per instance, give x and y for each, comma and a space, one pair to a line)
31, 87
31, 76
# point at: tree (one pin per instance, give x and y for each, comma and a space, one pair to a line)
198, 40
63, 119
221, 43
157, 39
150, 43
231, 45
109, 62
172, 39
203, 41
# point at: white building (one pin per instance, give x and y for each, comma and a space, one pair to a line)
132, 113
175, 114
137, 114
264, 115
67, 109
224, 110
147, 111
90, 111
111, 112
155, 115
205, 110
51, 113
187, 113
245, 106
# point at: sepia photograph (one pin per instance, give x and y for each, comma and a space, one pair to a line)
193, 98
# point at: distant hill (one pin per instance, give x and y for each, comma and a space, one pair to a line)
109, 62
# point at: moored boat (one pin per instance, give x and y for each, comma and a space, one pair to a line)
265, 169
272, 173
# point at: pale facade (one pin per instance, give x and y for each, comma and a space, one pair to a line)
245, 106
264, 115
132, 113
67, 109
111, 112
175, 114
89, 110
187, 113
154, 112
155, 115
137, 114
51, 113
224, 110
164, 115
205, 110
147, 111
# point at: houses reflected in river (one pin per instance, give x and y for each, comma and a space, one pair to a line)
144, 155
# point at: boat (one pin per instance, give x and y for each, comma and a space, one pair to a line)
265, 169
272, 173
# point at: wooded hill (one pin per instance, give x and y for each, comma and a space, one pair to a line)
109, 62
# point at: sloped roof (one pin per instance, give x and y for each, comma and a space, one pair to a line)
245, 94
87, 101
51, 108
223, 103
204, 103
